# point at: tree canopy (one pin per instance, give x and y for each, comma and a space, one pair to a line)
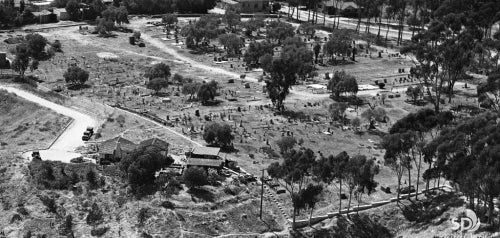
218, 134
140, 168
76, 76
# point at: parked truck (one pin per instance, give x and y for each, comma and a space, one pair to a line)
88, 133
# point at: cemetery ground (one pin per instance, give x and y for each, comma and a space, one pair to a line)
116, 78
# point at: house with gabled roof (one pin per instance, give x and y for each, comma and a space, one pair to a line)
115, 149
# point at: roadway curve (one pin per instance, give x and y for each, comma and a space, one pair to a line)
63, 149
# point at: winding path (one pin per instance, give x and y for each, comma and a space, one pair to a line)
63, 149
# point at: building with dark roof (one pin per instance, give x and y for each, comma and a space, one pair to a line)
343, 8
156, 143
115, 149
247, 6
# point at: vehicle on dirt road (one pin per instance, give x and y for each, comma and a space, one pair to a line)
88, 133
35, 155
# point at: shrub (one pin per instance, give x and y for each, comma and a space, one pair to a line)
50, 204
168, 205
95, 216
99, 231
195, 176
286, 143
22, 210
142, 216
16, 217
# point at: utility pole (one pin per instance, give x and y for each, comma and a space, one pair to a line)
261, 193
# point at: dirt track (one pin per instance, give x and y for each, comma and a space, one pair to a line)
63, 148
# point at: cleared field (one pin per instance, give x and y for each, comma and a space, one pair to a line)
25, 125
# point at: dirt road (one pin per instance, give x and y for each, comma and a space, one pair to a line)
63, 148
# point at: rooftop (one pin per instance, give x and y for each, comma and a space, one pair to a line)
155, 142
109, 146
212, 151
204, 162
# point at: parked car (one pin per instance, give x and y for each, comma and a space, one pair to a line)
407, 189
36, 155
280, 190
88, 133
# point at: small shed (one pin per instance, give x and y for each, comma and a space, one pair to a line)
62, 14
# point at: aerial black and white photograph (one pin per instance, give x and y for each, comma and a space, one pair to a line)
250, 118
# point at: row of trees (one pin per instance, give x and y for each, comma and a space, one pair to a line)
463, 152
306, 176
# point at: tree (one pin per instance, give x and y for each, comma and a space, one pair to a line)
307, 29
252, 25
397, 153
443, 52
338, 44
169, 19
310, 196
342, 84
207, 91
467, 154
356, 123
274, 170
337, 111
190, 89
57, 46
73, 10
206, 28
365, 181
76, 76
378, 114
92, 178
316, 50
140, 168
421, 124
294, 169
157, 84
286, 143
195, 6
232, 19
218, 134
36, 44
256, 50
22, 59
94, 217
7, 14
160, 70
266, 62
104, 26
195, 177
279, 31
414, 93
489, 92
276, 6
295, 62
231, 42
